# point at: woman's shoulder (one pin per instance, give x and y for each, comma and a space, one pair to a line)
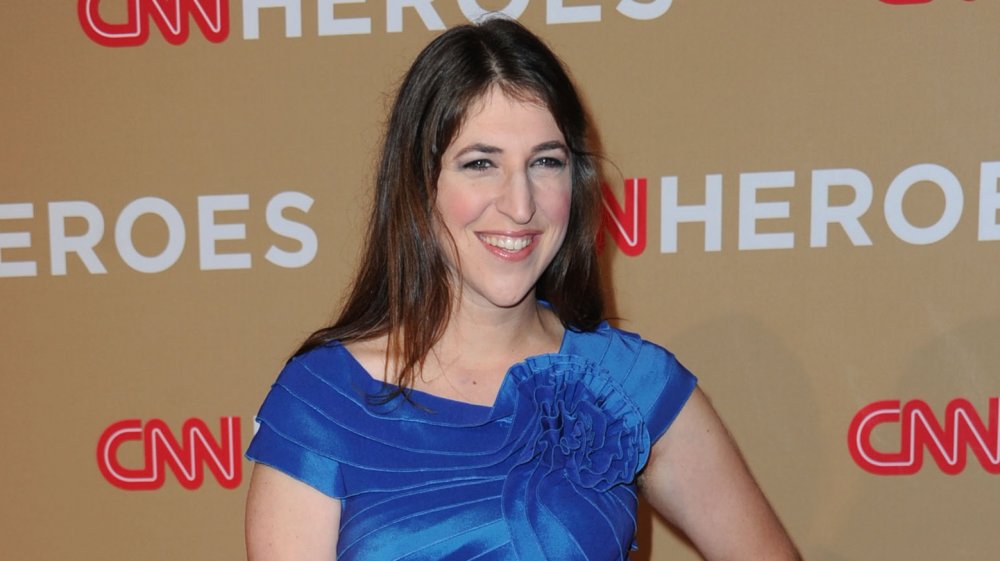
335, 357
608, 341
649, 374
330, 364
369, 354
626, 355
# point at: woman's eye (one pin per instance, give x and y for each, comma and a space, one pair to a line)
478, 165
549, 162
548, 166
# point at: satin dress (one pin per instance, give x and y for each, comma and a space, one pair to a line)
546, 473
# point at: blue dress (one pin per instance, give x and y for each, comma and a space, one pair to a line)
547, 473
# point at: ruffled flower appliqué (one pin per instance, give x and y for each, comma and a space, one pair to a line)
586, 425
580, 441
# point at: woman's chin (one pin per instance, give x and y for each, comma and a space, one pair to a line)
502, 299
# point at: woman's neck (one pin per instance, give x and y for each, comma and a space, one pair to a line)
484, 330
481, 343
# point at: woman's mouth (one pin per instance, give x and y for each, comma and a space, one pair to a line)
508, 247
508, 243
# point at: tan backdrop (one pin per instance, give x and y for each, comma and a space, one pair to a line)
176, 215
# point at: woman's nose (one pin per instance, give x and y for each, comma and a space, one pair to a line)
517, 199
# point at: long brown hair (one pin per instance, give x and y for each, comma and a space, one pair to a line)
402, 288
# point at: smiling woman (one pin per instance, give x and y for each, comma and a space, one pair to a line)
470, 402
503, 199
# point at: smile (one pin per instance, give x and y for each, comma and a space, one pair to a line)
511, 244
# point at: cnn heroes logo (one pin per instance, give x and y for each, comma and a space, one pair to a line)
761, 211
67, 238
173, 17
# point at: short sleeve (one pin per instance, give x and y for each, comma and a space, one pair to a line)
660, 386
289, 424
650, 375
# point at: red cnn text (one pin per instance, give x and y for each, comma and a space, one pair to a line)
171, 17
186, 457
627, 221
948, 443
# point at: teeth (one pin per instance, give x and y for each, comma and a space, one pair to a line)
507, 243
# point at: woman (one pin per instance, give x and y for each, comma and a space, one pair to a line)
404, 431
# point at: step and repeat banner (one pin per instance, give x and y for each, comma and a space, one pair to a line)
801, 201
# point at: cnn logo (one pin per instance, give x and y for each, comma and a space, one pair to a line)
172, 17
187, 456
947, 441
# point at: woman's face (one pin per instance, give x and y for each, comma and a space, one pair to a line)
504, 196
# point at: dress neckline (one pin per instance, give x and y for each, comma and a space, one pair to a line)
442, 407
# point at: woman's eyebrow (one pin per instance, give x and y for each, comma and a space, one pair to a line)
490, 149
479, 147
550, 145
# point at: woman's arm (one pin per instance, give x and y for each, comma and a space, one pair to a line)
697, 479
287, 520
